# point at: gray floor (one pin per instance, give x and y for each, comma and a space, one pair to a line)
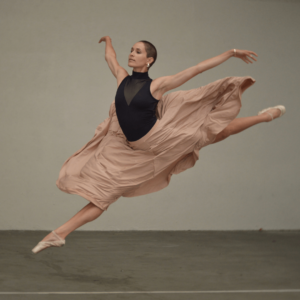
189, 262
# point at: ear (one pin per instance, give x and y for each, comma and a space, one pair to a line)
150, 60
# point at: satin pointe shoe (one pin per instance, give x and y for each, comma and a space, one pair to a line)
280, 107
57, 241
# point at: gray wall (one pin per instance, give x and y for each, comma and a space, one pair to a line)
56, 88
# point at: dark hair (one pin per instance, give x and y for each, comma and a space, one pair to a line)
151, 51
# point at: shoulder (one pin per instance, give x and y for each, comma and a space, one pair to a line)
121, 74
157, 87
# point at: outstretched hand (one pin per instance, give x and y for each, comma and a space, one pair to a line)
103, 39
243, 54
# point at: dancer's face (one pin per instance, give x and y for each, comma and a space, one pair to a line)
139, 58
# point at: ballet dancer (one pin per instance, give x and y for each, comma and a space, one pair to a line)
150, 135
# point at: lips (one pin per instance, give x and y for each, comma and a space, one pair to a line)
131, 59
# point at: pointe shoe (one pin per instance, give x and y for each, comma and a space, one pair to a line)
280, 107
57, 242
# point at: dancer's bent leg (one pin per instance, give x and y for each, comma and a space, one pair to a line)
87, 214
240, 124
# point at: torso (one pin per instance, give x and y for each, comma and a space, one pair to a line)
136, 104
155, 92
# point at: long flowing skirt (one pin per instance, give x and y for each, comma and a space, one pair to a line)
109, 166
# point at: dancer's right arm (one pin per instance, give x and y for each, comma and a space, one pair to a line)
111, 56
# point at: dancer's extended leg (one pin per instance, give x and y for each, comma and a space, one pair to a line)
240, 124
87, 214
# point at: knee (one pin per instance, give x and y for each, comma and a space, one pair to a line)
225, 133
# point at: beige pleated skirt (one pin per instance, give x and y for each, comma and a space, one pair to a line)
109, 166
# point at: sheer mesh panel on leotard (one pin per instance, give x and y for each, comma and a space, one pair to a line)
132, 87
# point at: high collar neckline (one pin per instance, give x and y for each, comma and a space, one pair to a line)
140, 75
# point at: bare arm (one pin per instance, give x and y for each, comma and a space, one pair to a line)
214, 61
167, 83
109, 49
111, 56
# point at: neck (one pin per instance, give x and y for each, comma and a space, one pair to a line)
140, 75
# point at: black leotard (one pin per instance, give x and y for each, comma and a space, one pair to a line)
135, 105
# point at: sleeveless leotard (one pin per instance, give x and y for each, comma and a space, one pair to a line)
135, 105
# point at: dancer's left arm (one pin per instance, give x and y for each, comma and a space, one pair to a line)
168, 83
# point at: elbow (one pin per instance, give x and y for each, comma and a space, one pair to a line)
199, 69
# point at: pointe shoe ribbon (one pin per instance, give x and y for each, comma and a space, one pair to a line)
59, 242
280, 107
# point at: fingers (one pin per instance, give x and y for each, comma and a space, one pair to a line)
251, 52
246, 55
246, 60
253, 57
249, 60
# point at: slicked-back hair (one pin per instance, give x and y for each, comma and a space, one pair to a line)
151, 51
